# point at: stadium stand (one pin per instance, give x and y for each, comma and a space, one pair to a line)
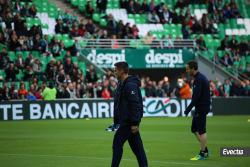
39, 41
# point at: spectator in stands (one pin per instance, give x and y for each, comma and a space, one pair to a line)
67, 17
14, 94
32, 11
221, 91
14, 44
236, 12
246, 70
22, 90
20, 62
60, 16
153, 17
247, 87
111, 23
74, 18
215, 16
31, 96
23, 44
185, 91
160, 92
50, 65
167, 88
114, 42
112, 88
135, 31
74, 33
159, 9
28, 74
206, 26
89, 8
238, 90
216, 60
226, 11
106, 93
90, 27
240, 68
212, 7
36, 65
232, 42
196, 29
7, 7
39, 93
83, 30
101, 5
227, 88
202, 43
181, 17
152, 6
104, 35
119, 29
67, 55
145, 7
60, 77
243, 47
235, 56
123, 3
131, 8
18, 25
92, 77
54, 40
68, 66
39, 31
92, 43
165, 17
225, 44
180, 4
25, 11
186, 31
56, 50
59, 27
222, 19
138, 7
29, 59
49, 93
30, 44
70, 92
168, 43
150, 91
148, 39
128, 32
2, 40
76, 73
37, 44
79, 91
52, 74
174, 17
4, 61
11, 72
226, 60
6, 95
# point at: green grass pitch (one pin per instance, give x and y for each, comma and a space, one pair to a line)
85, 143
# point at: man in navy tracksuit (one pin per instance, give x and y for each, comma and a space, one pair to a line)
201, 102
128, 111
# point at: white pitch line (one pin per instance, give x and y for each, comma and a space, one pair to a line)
62, 156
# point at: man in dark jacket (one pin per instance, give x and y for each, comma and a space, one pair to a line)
131, 8
160, 92
11, 73
18, 26
76, 73
60, 78
243, 47
101, 5
59, 27
68, 66
202, 43
90, 27
128, 111
201, 102
238, 90
28, 59
225, 43
150, 91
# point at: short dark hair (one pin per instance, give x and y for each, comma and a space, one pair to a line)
122, 65
193, 64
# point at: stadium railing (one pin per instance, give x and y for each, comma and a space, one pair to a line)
135, 43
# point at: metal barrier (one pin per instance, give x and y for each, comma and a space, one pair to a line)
135, 43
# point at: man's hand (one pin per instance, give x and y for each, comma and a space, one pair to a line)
186, 112
134, 129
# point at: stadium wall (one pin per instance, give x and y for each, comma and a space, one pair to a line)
100, 108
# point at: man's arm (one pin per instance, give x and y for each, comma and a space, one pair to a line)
196, 96
132, 95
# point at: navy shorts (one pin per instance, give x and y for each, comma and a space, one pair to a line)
199, 124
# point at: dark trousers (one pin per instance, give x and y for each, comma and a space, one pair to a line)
121, 136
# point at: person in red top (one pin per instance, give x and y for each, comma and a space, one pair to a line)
106, 93
22, 90
39, 93
82, 30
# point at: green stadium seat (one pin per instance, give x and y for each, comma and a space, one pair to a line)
103, 22
44, 26
75, 59
35, 54
96, 17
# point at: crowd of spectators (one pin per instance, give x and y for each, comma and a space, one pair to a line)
93, 87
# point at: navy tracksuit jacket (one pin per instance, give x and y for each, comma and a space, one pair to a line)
128, 111
201, 95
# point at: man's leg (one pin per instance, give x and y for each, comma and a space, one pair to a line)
121, 135
136, 145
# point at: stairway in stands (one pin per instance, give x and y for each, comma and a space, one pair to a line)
66, 4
